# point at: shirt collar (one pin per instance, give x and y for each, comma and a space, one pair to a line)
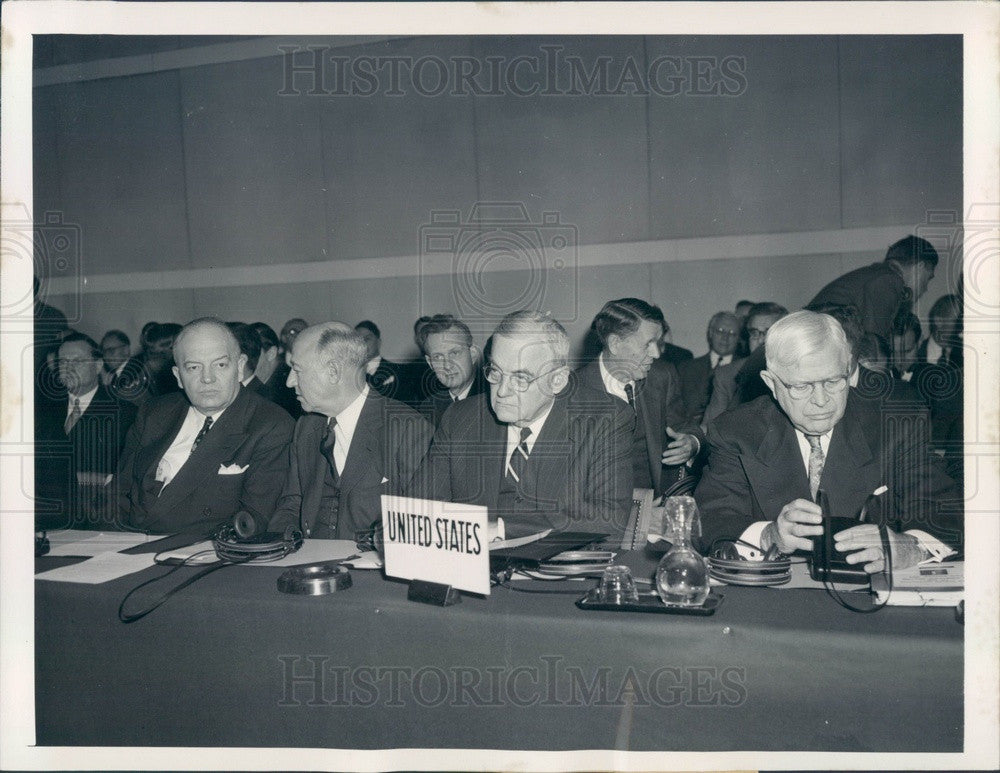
347, 419
611, 384
85, 400
717, 359
463, 393
514, 432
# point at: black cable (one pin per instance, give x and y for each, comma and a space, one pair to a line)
126, 618
887, 569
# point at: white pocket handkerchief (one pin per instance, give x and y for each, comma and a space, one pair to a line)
385, 480
232, 469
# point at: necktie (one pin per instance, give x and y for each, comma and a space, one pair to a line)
202, 432
519, 457
74, 416
816, 461
326, 448
630, 394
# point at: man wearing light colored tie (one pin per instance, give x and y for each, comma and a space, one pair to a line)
769, 457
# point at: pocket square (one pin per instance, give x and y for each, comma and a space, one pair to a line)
385, 480
232, 469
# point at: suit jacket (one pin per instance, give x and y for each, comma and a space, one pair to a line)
578, 475
696, 385
389, 443
277, 391
675, 354
390, 380
723, 390
755, 468
92, 446
877, 291
437, 398
252, 433
134, 383
658, 405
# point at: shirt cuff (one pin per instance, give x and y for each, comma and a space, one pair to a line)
752, 535
937, 549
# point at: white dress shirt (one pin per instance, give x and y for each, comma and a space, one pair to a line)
343, 433
179, 451
462, 393
717, 359
938, 550
514, 435
85, 401
611, 384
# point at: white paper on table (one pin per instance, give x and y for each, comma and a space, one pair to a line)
101, 568
101, 542
367, 560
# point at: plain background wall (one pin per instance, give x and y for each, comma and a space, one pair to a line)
210, 168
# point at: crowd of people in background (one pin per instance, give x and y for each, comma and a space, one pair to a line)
90, 393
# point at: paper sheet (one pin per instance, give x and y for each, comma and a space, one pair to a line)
90, 544
101, 568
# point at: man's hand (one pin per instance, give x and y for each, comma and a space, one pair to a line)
799, 520
679, 450
864, 545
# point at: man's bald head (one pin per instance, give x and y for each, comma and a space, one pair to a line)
209, 365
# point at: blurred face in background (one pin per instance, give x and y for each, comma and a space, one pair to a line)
723, 334
757, 328
115, 352
904, 349
78, 367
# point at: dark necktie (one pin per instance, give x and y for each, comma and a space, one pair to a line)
326, 448
816, 462
73, 417
519, 457
202, 432
630, 394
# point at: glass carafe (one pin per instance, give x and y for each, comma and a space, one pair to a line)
682, 575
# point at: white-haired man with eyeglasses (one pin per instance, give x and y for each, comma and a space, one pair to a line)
769, 457
537, 450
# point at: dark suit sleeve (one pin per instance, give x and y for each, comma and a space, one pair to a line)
674, 411
724, 497
288, 510
268, 465
600, 489
410, 436
125, 476
432, 479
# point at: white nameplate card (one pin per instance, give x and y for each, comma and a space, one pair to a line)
437, 542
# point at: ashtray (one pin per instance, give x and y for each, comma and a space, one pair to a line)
649, 601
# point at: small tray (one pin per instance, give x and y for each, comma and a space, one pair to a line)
650, 602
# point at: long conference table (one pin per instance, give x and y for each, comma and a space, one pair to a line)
231, 661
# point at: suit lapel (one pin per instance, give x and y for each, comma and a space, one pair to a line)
776, 471
549, 457
850, 466
149, 458
218, 446
363, 452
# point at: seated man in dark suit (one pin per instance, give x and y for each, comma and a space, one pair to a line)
454, 361
352, 446
536, 451
696, 375
386, 378
768, 459
79, 439
272, 371
196, 459
628, 368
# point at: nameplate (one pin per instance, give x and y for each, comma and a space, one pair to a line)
436, 541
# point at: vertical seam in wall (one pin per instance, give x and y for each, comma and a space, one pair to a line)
327, 182
840, 132
184, 176
475, 136
649, 152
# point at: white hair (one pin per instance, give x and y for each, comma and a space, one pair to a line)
801, 333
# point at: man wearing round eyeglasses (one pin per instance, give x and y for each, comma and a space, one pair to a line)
538, 452
769, 458
697, 374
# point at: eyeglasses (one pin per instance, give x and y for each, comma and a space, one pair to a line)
440, 359
519, 381
74, 362
725, 331
832, 386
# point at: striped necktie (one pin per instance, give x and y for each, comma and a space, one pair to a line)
326, 448
74, 416
519, 457
202, 432
630, 394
